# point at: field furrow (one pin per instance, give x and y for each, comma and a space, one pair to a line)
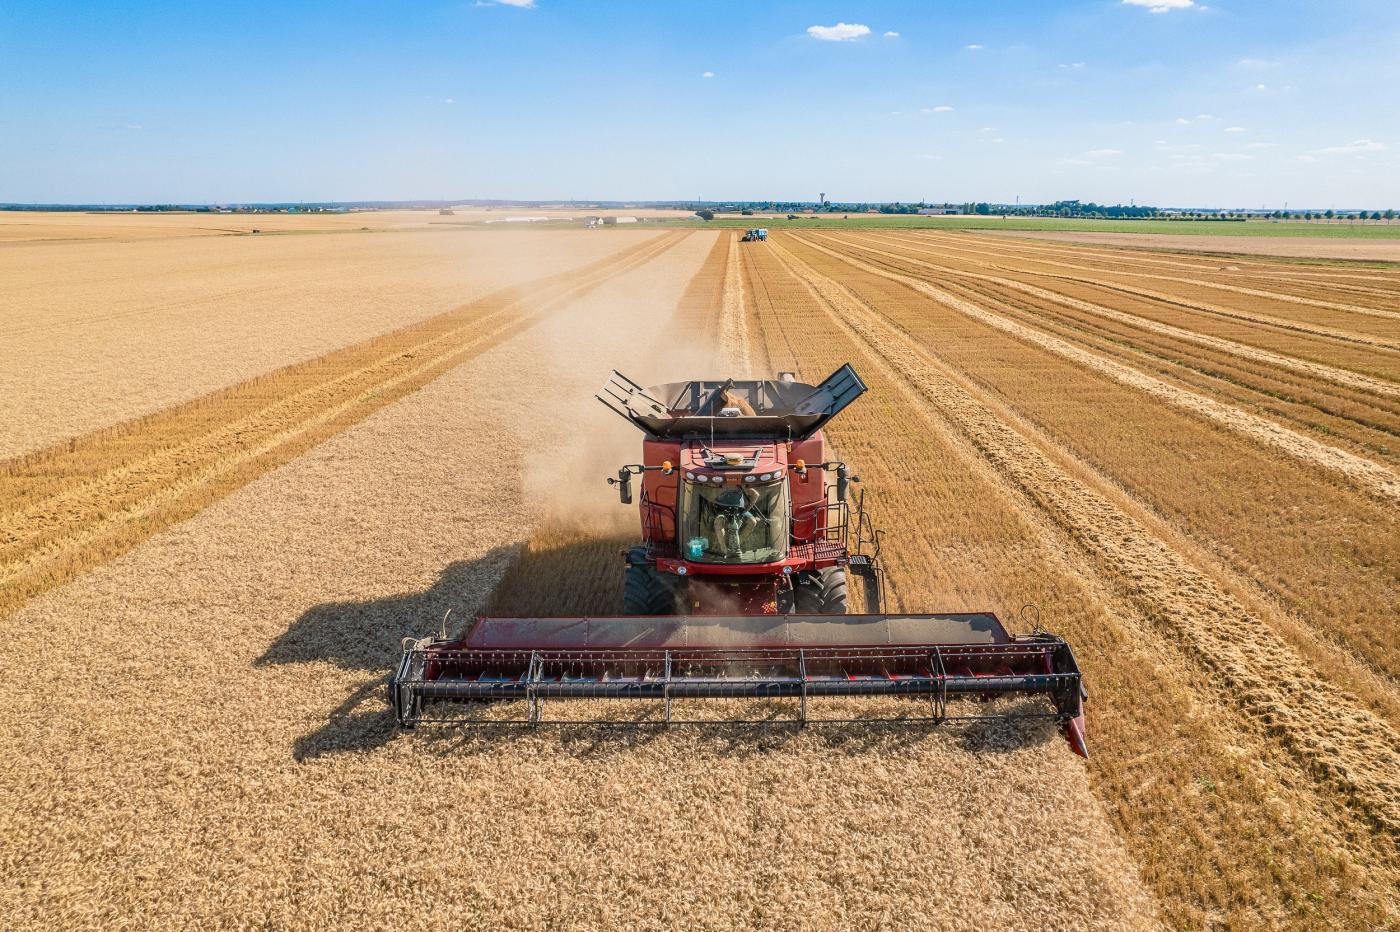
1362, 330
1335, 403
1376, 479
1383, 308
979, 518
1336, 406
66, 509
1304, 282
1338, 375
1384, 277
1336, 352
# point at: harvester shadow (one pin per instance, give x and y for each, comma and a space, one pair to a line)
367, 636
771, 730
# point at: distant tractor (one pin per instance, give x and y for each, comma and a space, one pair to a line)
754, 235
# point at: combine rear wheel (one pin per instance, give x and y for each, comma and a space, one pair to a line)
645, 591
821, 592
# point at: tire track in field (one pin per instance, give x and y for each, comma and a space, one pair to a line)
1253, 317
1363, 423
1366, 474
1238, 289
99, 513
1370, 342
734, 325
1351, 405
1249, 264
1243, 270
1330, 734
1302, 366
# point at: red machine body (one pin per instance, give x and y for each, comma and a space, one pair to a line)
739, 504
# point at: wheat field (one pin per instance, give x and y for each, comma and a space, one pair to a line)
1187, 462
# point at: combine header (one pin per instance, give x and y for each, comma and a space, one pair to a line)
739, 588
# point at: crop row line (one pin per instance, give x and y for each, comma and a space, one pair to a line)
1252, 317
1222, 286
1371, 476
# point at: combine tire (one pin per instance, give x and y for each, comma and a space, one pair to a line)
822, 592
647, 592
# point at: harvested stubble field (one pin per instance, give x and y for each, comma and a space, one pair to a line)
1190, 469
1298, 247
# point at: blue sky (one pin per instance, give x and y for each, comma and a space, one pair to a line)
1178, 102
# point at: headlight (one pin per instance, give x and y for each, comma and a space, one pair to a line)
690, 476
750, 478
681, 570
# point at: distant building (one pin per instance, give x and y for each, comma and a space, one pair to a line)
936, 211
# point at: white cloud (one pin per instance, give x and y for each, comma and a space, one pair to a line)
1076, 65
891, 35
1231, 156
973, 47
707, 74
449, 100
841, 32
1354, 147
1261, 145
1182, 121
1160, 6
943, 108
1204, 117
134, 126
1234, 129
523, 4
1261, 87
1304, 158
1103, 153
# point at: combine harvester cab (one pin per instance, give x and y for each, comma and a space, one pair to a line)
739, 588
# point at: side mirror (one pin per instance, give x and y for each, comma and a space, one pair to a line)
624, 486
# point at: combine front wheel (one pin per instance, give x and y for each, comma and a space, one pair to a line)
822, 592
647, 592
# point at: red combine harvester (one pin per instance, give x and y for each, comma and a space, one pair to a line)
739, 588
